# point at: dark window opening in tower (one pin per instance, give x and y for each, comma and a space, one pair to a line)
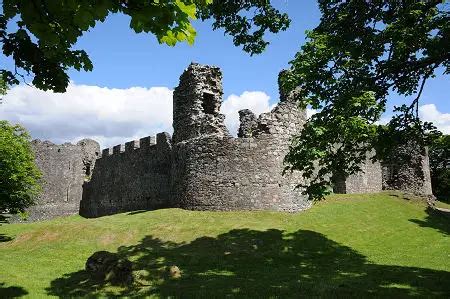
88, 170
208, 103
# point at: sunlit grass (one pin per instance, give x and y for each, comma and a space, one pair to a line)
348, 245
443, 205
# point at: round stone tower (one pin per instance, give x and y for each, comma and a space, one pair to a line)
196, 103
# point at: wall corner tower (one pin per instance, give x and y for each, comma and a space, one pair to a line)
196, 103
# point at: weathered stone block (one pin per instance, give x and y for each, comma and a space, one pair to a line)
147, 141
117, 149
64, 170
131, 145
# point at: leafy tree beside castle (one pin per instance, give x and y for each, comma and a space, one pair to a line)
40, 35
19, 175
359, 54
439, 153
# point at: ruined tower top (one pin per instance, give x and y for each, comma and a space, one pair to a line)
196, 103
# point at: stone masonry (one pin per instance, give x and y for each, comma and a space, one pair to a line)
213, 171
413, 176
370, 179
64, 169
131, 177
202, 167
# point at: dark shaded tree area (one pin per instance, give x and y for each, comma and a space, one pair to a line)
436, 219
361, 52
11, 291
439, 153
259, 264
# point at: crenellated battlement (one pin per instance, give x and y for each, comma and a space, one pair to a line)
132, 145
130, 176
145, 143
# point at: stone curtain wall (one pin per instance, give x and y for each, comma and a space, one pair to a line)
134, 176
399, 173
370, 179
402, 174
64, 169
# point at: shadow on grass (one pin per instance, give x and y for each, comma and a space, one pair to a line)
249, 263
11, 292
5, 238
439, 220
3, 219
137, 212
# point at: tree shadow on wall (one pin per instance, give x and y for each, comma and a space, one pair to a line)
439, 220
11, 292
249, 263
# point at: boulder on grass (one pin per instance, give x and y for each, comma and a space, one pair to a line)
110, 267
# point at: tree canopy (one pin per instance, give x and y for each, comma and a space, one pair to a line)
19, 175
40, 35
360, 53
440, 167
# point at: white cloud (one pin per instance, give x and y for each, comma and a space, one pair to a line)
110, 116
256, 101
310, 112
428, 113
441, 120
384, 120
114, 116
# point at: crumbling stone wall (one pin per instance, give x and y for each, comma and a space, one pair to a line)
370, 179
408, 171
248, 123
134, 176
213, 171
64, 169
196, 103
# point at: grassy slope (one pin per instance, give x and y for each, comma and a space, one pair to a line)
443, 205
349, 245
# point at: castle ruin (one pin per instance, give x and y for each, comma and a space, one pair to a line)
64, 169
203, 167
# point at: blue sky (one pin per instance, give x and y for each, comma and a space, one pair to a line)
123, 59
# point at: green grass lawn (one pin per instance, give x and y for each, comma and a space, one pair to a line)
443, 205
348, 246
